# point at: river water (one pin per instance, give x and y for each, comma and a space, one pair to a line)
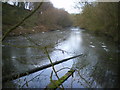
97, 68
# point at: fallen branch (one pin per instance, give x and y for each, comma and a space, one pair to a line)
52, 64
57, 83
15, 76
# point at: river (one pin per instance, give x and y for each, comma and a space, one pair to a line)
97, 68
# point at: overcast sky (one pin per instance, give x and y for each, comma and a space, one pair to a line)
68, 5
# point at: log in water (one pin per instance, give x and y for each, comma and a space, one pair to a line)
15, 76
57, 83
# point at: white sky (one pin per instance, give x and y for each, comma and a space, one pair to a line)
68, 5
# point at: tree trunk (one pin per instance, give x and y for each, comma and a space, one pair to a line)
15, 76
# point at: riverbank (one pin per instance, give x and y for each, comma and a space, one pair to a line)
100, 18
45, 19
98, 67
41, 28
105, 35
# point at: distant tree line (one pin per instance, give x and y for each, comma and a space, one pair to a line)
47, 17
100, 17
51, 16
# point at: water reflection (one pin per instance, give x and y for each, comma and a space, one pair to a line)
72, 43
98, 68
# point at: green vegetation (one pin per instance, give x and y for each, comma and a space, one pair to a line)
11, 17
46, 18
56, 83
98, 17
101, 18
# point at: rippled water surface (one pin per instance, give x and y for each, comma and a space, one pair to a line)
97, 68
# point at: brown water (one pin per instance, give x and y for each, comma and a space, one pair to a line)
98, 68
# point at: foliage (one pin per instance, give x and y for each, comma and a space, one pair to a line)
47, 17
55, 16
13, 15
55, 84
100, 17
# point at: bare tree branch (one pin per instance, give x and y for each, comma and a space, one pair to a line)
14, 27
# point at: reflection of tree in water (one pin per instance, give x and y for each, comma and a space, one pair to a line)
80, 66
103, 74
8, 64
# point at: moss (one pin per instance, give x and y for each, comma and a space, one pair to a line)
56, 84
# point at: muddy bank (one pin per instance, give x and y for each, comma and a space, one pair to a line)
41, 28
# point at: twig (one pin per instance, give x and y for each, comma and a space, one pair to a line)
63, 68
14, 27
51, 76
84, 79
53, 80
63, 51
52, 64
15, 76
19, 46
31, 40
61, 80
32, 79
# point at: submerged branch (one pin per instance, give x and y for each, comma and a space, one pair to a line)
59, 82
15, 76
52, 64
32, 79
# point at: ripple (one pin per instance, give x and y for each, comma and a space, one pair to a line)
77, 32
104, 46
106, 49
92, 46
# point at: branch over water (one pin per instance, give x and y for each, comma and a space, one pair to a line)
15, 76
